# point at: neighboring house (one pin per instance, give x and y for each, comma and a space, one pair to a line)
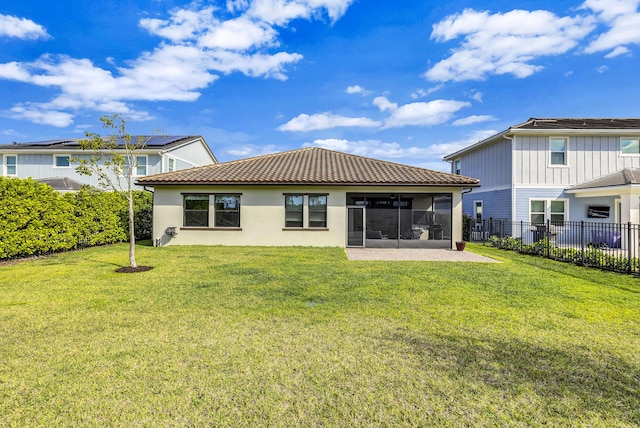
311, 197
555, 169
51, 162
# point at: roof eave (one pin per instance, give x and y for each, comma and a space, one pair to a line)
574, 131
477, 145
262, 183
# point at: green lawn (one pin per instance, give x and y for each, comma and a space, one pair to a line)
303, 337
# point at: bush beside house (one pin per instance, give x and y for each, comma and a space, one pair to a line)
38, 220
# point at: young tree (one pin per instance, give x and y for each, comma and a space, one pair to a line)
113, 161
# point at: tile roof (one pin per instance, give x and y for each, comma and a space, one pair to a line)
624, 177
577, 123
154, 141
311, 166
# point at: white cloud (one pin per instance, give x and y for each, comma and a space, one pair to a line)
279, 12
183, 24
36, 114
384, 104
21, 28
421, 93
443, 149
620, 50
197, 48
477, 96
622, 18
314, 122
239, 34
420, 113
602, 69
372, 148
470, 120
504, 43
357, 89
249, 150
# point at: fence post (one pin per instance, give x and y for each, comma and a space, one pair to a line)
548, 236
629, 249
582, 241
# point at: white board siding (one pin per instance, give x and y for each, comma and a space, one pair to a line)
193, 154
588, 158
490, 164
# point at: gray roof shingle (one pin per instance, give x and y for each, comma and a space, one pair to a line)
624, 177
577, 123
311, 166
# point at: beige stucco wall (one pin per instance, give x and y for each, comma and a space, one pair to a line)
262, 215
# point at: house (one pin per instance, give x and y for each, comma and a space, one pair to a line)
51, 162
556, 170
309, 197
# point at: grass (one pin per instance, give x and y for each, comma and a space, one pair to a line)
284, 337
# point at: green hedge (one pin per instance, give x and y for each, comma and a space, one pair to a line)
591, 256
38, 220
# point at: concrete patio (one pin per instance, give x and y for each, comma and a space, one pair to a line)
419, 254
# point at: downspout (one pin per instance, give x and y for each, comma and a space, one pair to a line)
513, 173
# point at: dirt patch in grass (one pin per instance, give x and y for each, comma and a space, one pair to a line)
129, 269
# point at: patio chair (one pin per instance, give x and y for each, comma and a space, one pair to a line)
375, 234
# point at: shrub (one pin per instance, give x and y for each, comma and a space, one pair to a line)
38, 220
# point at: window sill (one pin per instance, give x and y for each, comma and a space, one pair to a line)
209, 228
306, 228
558, 166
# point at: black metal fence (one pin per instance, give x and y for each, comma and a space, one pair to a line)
610, 246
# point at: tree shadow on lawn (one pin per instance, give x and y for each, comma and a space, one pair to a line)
596, 382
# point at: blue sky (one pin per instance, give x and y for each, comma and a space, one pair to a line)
407, 81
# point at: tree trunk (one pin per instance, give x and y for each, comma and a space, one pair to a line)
132, 235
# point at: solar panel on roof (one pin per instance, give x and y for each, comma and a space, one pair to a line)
156, 141
44, 143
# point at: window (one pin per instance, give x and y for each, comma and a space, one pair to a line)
558, 151
477, 210
554, 210
557, 212
171, 164
630, 146
317, 210
11, 164
227, 210
140, 167
196, 210
457, 167
537, 212
293, 211
61, 161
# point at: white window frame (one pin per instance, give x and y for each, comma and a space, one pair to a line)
457, 166
134, 172
171, 160
566, 152
5, 168
55, 161
475, 212
630, 138
547, 208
